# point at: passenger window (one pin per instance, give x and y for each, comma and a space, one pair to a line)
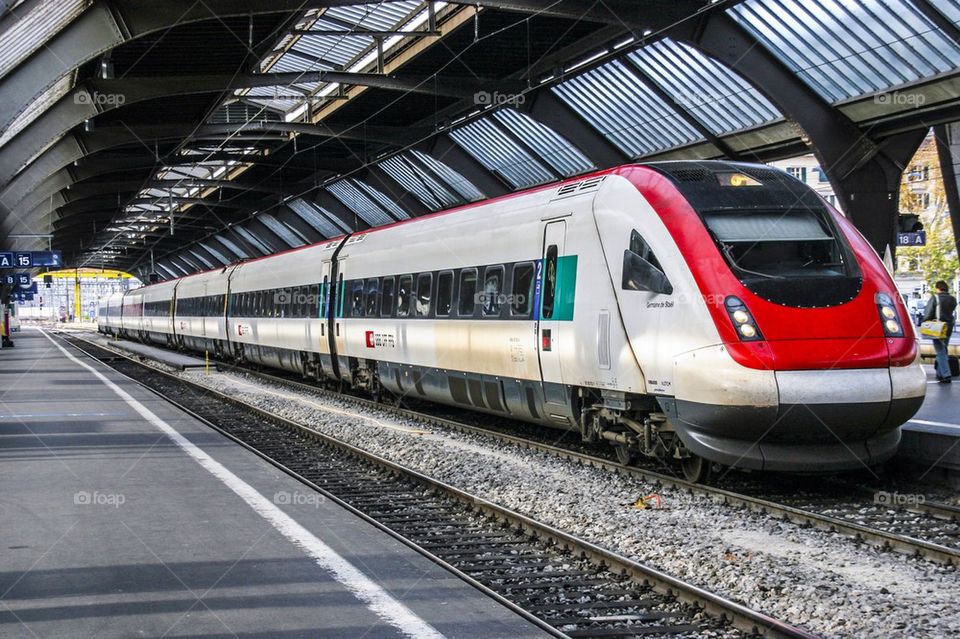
468, 292
444, 293
492, 289
313, 304
371, 294
522, 292
424, 284
642, 270
386, 297
549, 281
356, 298
403, 295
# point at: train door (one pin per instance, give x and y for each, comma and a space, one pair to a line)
204, 314
332, 291
548, 325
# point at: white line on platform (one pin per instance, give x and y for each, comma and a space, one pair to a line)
376, 598
929, 423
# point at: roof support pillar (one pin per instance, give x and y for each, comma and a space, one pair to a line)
948, 151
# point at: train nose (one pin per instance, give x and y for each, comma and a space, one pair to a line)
799, 421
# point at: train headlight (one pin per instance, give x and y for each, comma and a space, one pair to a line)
742, 320
889, 317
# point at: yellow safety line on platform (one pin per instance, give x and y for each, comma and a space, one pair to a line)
330, 409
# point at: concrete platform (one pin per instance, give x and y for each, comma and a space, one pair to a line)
932, 438
124, 517
171, 358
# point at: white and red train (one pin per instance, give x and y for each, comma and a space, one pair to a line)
709, 312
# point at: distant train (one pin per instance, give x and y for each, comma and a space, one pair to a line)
705, 312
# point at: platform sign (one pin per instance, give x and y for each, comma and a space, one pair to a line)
23, 297
918, 238
32, 288
47, 258
6, 259
10, 279
24, 259
23, 279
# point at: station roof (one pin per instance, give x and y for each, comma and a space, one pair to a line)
181, 136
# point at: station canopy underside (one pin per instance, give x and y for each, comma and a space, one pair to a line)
178, 136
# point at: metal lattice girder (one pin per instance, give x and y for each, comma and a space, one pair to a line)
95, 97
69, 149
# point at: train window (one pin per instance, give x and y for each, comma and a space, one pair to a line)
641, 269
492, 290
424, 284
549, 281
403, 295
444, 293
356, 298
314, 302
468, 292
386, 297
258, 309
371, 295
521, 300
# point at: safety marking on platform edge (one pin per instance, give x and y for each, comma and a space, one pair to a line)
26, 415
377, 599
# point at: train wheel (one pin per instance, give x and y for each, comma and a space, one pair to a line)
624, 454
695, 469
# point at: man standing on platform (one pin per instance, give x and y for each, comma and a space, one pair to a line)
942, 306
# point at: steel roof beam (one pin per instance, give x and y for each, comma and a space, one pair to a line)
105, 25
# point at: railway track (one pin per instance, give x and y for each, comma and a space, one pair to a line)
566, 585
878, 516
884, 518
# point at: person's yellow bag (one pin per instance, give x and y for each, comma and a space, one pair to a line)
934, 328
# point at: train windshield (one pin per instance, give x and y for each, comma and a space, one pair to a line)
793, 256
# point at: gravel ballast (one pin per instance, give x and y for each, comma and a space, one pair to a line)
823, 581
